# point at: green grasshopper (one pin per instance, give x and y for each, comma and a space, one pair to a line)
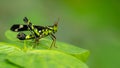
37, 32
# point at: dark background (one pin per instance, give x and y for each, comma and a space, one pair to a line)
89, 24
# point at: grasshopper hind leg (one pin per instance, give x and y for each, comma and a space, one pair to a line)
54, 41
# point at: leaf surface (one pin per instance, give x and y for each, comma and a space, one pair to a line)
64, 56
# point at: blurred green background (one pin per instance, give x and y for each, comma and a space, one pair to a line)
90, 24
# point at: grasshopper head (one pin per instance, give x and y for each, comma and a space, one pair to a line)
55, 26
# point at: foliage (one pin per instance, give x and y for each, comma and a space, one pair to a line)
16, 54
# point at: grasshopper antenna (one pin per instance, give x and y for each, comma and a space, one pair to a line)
56, 23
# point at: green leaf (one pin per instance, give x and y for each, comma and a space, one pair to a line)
9, 49
37, 58
42, 56
11, 35
47, 59
77, 52
3, 64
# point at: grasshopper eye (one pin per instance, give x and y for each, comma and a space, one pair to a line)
21, 36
